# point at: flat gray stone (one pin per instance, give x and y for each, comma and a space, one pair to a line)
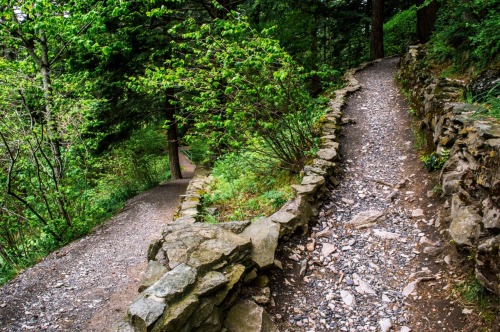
173, 283
211, 282
282, 217
464, 227
154, 272
327, 154
313, 179
366, 218
144, 311
235, 227
305, 189
264, 236
247, 316
491, 218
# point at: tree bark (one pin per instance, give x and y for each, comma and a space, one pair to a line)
426, 18
49, 117
377, 32
173, 147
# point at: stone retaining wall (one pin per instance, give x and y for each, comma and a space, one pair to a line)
197, 270
470, 178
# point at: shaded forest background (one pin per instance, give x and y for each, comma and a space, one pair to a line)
96, 96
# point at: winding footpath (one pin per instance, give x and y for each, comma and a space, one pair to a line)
374, 261
88, 285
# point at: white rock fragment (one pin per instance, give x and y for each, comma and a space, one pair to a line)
385, 235
364, 287
410, 288
386, 298
367, 218
405, 329
327, 249
347, 297
385, 324
348, 201
417, 213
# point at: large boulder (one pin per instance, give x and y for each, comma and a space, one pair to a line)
247, 316
264, 235
465, 223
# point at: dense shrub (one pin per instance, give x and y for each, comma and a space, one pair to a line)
235, 86
247, 185
466, 35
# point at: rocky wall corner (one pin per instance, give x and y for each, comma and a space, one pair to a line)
470, 178
196, 271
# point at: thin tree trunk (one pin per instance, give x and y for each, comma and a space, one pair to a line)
173, 147
49, 117
377, 32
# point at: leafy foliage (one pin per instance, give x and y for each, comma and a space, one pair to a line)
238, 87
247, 185
434, 161
466, 35
400, 32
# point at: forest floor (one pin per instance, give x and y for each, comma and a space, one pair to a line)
88, 284
396, 274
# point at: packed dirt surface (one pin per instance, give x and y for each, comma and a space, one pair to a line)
376, 259
87, 285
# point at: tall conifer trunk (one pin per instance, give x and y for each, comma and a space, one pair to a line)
377, 32
426, 18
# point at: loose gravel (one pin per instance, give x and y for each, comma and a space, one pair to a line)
373, 260
87, 285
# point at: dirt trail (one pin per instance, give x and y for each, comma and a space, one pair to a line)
391, 275
87, 285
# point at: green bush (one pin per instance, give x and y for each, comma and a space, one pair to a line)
466, 35
235, 86
400, 32
247, 185
434, 162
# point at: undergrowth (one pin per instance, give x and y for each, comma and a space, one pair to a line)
245, 186
470, 293
129, 168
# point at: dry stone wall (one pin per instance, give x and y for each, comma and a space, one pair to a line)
470, 178
196, 270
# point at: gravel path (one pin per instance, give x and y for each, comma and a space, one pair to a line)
391, 274
88, 284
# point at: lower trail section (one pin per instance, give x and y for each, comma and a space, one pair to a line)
88, 284
375, 259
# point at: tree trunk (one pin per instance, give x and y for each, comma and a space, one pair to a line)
49, 117
53, 129
173, 147
426, 18
377, 32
